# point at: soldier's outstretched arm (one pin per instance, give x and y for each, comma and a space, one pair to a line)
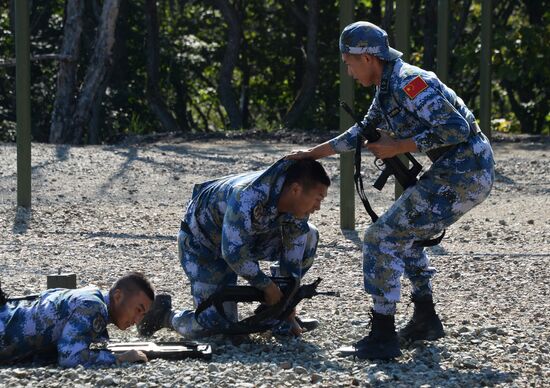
318, 152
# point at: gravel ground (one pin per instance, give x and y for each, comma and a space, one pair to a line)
100, 211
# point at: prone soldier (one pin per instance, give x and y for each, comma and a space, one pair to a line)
64, 323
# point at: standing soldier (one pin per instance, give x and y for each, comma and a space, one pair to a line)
419, 114
64, 323
233, 222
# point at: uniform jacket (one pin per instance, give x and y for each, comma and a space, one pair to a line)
61, 321
227, 218
414, 103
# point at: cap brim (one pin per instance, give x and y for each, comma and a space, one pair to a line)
393, 54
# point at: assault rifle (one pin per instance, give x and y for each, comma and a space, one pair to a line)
390, 166
165, 350
264, 317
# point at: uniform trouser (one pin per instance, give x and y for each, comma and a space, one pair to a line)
422, 212
207, 278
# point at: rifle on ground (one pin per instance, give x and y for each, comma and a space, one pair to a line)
390, 166
265, 317
4, 298
165, 350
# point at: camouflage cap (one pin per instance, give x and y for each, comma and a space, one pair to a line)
367, 38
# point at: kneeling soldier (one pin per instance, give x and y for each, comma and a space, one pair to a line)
233, 222
65, 322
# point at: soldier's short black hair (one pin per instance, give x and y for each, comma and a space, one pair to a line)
308, 173
132, 283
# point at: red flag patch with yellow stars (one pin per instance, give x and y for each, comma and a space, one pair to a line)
414, 87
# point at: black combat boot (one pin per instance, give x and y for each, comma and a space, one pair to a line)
424, 324
382, 342
158, 317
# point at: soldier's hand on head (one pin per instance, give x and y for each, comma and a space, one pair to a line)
319, 151
299, 154
131, 356
273, 294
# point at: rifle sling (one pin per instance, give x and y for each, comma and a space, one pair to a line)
361, 192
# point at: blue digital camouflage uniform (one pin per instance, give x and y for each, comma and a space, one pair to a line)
230, 224
415, 104
60, 322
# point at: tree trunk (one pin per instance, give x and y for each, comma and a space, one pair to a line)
525, 119
97, 69
298, 10
120, 53
535, 10
230, 58
376, 12
156, 102
311, 75
387, 21
430, 33
179, 83
459, 25
64, 104
245, 88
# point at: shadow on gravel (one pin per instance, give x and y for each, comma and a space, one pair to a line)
131, 156
157, 237
503, 178
129, 236
231, 153
249, 351
353, 236
425, 368
62, 152
22, 220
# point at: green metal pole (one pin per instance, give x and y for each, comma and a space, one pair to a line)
402, 43
347, 193
443, 40
485, 68
23, 102
403, 28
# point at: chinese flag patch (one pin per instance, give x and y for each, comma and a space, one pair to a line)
414, 87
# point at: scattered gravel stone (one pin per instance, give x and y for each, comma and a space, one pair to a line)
285, 365
316, 378
100, 211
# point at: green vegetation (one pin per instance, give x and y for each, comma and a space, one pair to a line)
270, 68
